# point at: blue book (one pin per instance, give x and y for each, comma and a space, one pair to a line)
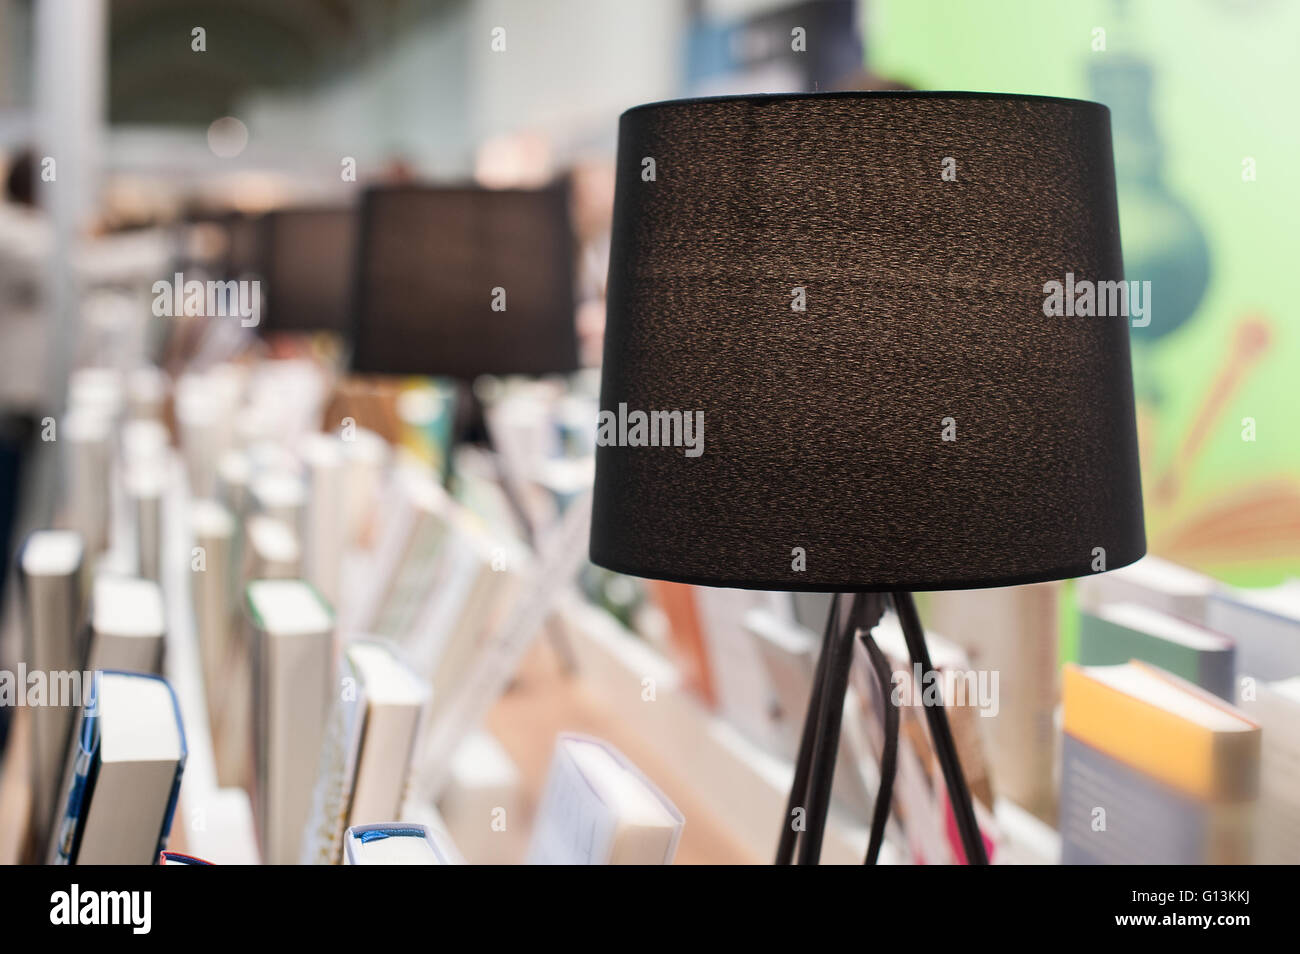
121, 794
391, 843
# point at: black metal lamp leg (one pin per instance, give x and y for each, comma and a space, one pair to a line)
808, 741
826, 743
945, 749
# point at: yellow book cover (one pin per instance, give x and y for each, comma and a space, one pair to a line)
1173, 731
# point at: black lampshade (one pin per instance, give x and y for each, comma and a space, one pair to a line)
309, 257
922, 423
245, 253
431, 259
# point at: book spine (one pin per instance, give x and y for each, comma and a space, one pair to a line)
1217, 671
170, 814
52, 644
67, 836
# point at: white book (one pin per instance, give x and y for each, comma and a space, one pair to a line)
144, 443
146, 393
366, 757
86, 437
212, 589
1265, 624
325, 527
482, 576
790, 654
271, 550
1276, 707
127, 625
292, 643
203, 428
744, 691
366, 455
97, 389
121, 791
144, 486
51, 565
1014, 631
392, 843
416, 515
234, 474
1152, 582
281, 495
483, 785
599, 809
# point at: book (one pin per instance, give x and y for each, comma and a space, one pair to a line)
1118, 632
292, 645
1153, 582
1265, 625
144, 486
483, 784
176, 858
790, 654
1154, 770
971, 699
270, 550
366, 758
86, 436
51, 564
1013, 631
121, 791
324, 527
479, 578
365, 457
127, 625
415, 522
744, 692
599, 809
1276, 707
392, 843
685, 635
281, 496
212, 592
234, 474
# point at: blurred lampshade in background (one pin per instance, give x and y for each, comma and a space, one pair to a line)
310, 254
849, 289
464, 281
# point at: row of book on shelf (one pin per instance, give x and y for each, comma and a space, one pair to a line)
284, 550
1168, 735
1166, 730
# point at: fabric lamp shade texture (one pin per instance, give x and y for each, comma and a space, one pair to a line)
850, 289
435, 260
310, 257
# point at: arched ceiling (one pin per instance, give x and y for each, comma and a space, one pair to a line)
155, 76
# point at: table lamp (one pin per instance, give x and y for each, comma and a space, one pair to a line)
464, 281
308, 255
847, 350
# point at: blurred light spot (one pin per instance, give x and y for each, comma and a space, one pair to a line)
227, 137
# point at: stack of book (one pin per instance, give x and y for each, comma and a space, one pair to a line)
1155, 770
